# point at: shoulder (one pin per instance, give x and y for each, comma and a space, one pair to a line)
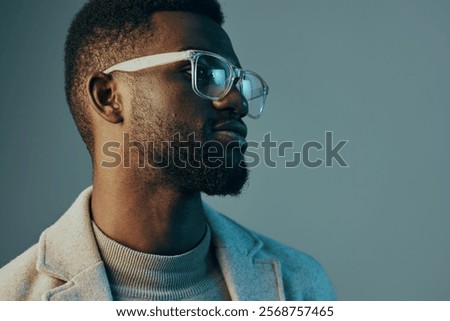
299, 270
22, 268
303, 277
18, 278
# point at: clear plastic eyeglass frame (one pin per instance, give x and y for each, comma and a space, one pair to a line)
235, 73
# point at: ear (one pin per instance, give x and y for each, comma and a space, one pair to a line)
105, 98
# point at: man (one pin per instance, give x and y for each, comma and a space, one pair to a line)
159, 98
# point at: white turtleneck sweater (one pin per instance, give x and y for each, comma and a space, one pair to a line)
194, 275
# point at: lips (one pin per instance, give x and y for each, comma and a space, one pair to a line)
232, 127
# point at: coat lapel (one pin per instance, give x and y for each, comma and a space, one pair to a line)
90, 285
249, 275
68, 252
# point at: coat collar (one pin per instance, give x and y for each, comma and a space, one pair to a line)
249, 274
68, 252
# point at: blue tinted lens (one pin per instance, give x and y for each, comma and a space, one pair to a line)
213, 76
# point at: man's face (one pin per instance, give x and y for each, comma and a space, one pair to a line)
193, 155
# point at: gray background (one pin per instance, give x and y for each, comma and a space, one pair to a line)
376, 73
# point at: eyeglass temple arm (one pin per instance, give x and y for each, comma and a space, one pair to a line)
149, 61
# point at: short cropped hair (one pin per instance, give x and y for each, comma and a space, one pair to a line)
103, 33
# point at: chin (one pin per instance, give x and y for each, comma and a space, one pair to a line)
221, 180
230, 181
215, 172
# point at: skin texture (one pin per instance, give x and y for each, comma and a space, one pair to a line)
150, 209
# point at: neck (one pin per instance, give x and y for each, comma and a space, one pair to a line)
149, 218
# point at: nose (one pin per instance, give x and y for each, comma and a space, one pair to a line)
235, 101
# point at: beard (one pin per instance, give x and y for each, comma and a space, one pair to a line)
208, 167
181, 160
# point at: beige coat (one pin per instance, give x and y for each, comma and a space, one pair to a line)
66, 265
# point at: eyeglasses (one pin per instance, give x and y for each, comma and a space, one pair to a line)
212, 76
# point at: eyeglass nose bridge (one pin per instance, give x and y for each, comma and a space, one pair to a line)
237, 76
238, 73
